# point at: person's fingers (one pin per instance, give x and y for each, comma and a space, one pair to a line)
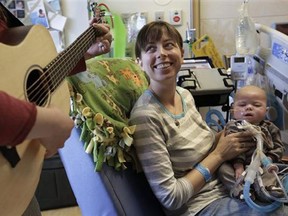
49, 154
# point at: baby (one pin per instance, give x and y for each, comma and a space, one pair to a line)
250, 104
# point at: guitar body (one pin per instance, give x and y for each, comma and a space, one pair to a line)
35, 50
20, 57
19, 184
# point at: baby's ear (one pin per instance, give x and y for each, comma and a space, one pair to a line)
271, 113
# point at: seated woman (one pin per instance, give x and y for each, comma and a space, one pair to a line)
177, 150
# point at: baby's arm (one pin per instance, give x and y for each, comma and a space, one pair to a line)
276, 152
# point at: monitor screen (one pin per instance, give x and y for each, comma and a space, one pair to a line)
239, 59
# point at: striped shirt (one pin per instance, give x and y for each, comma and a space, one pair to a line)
168, 147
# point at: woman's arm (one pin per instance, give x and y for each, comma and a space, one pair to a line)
227, 148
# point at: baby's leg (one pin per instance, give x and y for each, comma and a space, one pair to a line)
226, 175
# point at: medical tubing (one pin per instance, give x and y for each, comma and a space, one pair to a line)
265, 192
267, 208
272, 168
259, 157
267, 163
253, 169
284, 179
282, 168
259, 139
249, 179
280, 184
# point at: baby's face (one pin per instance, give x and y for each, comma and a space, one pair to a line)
250, 106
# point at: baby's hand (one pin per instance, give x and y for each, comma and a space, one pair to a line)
238, 173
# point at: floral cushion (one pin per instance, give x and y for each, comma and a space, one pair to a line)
101, 100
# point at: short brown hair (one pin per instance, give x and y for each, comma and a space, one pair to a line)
153, 31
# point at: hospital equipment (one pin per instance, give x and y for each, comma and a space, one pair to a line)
274, 77
246, 39
276, 69
209, 86
269, 70
239, 67
252, 173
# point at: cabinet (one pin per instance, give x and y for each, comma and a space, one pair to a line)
54, 189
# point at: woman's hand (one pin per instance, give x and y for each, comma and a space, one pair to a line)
102, 44
233, 144
228, 147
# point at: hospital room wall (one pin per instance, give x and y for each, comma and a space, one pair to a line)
77, 13
218, 18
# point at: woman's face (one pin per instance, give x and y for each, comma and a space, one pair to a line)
161, 60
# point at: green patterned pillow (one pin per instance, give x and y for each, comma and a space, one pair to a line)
102, 98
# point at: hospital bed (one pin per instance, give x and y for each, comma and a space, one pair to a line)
275, 57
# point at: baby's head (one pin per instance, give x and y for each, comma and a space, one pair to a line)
250, 104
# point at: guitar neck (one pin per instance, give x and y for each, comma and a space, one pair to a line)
63, 64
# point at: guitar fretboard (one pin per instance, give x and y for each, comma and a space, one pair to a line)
61, 66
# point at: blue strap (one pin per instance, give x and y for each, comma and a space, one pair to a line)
204, 171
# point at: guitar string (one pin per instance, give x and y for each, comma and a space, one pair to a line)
44, 78
51, 76
49, 79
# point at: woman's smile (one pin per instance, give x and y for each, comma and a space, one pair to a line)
163, 65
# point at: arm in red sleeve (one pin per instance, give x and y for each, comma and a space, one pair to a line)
81, 66
16, 120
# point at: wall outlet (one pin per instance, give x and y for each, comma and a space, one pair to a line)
159, 16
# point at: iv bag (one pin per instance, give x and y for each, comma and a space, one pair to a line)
246, 36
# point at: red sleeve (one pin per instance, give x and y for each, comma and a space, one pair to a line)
81, 66
16, 120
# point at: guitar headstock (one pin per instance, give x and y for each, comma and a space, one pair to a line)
102, 13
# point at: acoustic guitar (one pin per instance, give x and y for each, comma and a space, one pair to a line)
32, 70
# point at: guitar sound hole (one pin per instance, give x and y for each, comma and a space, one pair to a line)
37, 88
